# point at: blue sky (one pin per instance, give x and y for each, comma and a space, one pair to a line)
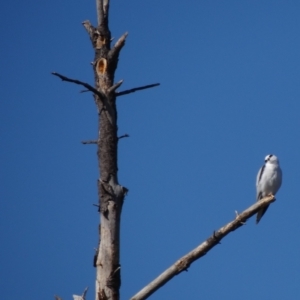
229, 95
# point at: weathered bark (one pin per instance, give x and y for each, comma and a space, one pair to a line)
111, 194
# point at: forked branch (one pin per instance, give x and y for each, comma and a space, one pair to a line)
184, 262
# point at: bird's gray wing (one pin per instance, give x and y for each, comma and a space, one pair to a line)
258, 178
259, 193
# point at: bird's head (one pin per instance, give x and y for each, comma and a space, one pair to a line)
272, 159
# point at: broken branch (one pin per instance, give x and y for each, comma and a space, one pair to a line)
114, 87
89, 28
114, 52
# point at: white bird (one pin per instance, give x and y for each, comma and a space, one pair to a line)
268, 181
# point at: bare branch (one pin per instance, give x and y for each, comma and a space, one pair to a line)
184, 262
137, 89
114, 87
89, 28
86, 85
110, 113
123, 136
114, 52
82, 297
89, 142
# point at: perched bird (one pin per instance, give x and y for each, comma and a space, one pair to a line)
268, 181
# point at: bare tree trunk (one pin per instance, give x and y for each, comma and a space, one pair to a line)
111, 194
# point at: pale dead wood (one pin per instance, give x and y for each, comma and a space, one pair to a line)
82, 297
75, 297
184, 262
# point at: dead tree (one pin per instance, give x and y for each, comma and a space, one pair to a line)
110, 193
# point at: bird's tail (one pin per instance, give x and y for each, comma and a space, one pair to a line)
261, 213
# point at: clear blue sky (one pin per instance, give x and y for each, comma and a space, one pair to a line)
229, 95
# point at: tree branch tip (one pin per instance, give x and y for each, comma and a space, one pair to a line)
91, 142
117, 269
125, 190
126, 92
123, 136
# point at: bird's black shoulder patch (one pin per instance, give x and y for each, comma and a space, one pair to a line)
261, 172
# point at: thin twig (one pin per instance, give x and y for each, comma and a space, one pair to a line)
110, 113
89, 142
123, 136
86, 85
184, 262
137, 89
